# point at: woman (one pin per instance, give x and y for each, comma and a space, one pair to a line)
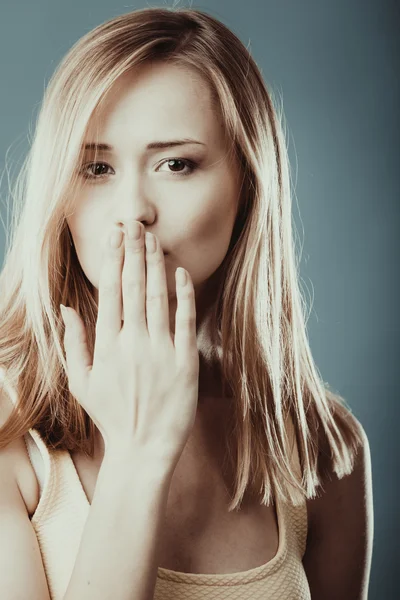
181, 441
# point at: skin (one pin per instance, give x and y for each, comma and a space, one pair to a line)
192, 214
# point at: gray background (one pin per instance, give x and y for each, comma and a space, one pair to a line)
336, 65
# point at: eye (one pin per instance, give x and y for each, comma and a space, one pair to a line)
178, 162
96, 174
96, 170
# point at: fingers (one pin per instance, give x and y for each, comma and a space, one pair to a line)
134, 280
145, 296
110, 297
157, 309
134, 273
77, 353
185, 340
144, 285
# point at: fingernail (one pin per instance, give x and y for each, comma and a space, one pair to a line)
151, 244
181, 276
134, 230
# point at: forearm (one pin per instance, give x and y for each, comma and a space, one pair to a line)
117, 556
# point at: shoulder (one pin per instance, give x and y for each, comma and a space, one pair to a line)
350, 486
15, 462
339, 544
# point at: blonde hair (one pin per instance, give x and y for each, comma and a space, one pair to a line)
259, 317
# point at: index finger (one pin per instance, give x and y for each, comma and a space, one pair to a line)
110, 296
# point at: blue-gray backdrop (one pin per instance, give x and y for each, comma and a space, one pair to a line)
336, 65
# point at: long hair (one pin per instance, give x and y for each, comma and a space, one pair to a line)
259, 317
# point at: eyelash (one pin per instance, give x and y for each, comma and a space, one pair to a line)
189, 163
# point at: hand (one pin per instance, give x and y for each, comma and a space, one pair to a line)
141, 386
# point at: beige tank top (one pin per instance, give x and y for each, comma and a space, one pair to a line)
63, 508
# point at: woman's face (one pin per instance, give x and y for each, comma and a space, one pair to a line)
187, 194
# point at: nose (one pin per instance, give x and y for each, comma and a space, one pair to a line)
133, 203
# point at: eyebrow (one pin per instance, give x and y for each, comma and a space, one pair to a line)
152, 146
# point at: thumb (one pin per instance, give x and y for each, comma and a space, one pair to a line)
78, 358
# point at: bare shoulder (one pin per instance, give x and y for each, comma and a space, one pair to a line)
338, 556
22, 573
351, 486
14, 460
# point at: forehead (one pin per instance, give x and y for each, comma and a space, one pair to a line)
155, 101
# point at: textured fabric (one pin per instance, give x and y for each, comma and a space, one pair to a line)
63, 508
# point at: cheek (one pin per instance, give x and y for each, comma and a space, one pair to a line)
91, 261
205, 238
89, 246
